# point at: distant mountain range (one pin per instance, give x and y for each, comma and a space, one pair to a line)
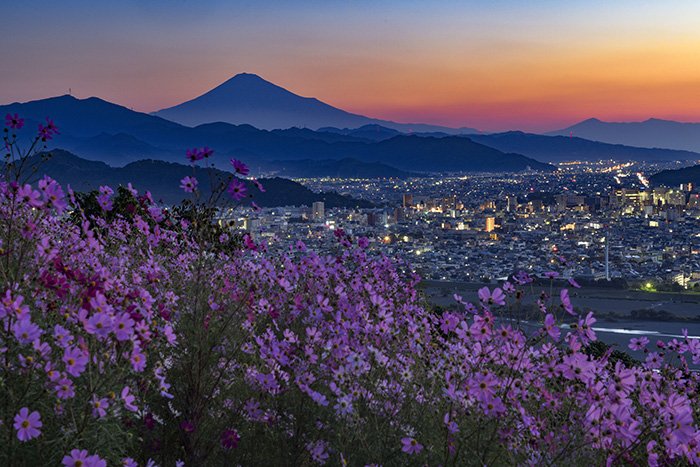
651, 133
336, 168
567, 148
374, 132
99, 130
674, 178
370, 132
162, 179
248, 98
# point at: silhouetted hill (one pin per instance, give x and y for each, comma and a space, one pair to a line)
366, 132
127, 136
342, 168
162, 179
451, 153
651, 133
89, 117
248, 98
377, 132
328, 137
565, 148
673, 178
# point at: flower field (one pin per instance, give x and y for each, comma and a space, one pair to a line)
137, 335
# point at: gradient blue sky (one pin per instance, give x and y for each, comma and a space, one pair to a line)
534, 65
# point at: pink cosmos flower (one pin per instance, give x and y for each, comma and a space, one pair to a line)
27, 424
105, 202
411, 446
638, 343
236, 189
99, 407
47, 132
259, 186
497, 297
138, 360
240, 167
65, 389
653, 361
194, 155
344, 405
99, 324
123, 327
75, 361
653, 459
493, 407
566, 302
249, 243
106, 190
62, 336
81, 458
574, 284
156, 213
551, 328
522, 278
585, 328
318, 451
76, 458
448, 322
128, 399
14, 122
189, 184
205, 152
25, 331
53, 194
29, 195
230, 439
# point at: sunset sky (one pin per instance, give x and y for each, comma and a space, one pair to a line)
493, 65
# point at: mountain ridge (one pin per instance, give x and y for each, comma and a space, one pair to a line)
96, 127
559, 148
162, 179
676, 177
249, 98
651, 133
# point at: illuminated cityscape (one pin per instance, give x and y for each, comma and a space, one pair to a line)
483, 228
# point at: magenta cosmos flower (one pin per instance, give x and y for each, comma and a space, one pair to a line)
638, 343
259, 186
76, 458
128, 399
25, 331
14, 122
27, 424
411, 446
230, 439
497, 297
194, 155
48, 131
566, 302
551, 328
81, 458
189, 184
240, 167
237, 189
75, 361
